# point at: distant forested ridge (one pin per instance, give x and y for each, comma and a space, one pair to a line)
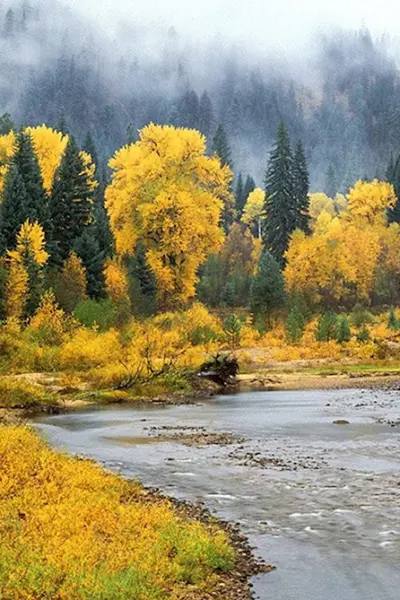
56, 69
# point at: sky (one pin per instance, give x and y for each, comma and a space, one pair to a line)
262, 23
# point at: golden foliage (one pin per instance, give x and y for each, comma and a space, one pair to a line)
70, 530
7, 150
117, 283
253, 212
337, 262
168, 194
49, 146
368, 201
50, 320
30, 245
70, 288
89, 170
16, 291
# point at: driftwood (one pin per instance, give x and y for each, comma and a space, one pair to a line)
221, 368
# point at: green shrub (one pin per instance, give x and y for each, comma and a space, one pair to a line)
101, 313
19, 393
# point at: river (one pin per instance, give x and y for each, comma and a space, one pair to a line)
319, 500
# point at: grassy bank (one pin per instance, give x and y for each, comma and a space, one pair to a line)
70, 530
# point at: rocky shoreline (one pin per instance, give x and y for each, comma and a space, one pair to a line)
234, 585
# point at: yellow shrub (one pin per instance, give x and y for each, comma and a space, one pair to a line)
69, 530
89, 348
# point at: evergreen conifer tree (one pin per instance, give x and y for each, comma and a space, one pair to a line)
326, 327
143, 288
267, 289
206, 116
280, 201
24, 196
88, 250
71, 203
239, 197
249, 186
13, 210
302, 188
393, 177
6, 124
295, 324
221, 147
130, 134
343, 333
330, 182
393, 323
90, 147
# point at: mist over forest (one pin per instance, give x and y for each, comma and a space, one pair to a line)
342, 100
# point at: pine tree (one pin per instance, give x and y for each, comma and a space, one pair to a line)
24, 196
131, 136
206, 116
88, 250
90, 147
249, 186
9, 23
143, 288
6, 124
330, 182
267, 289
221, 147
326, 327
343, 333
71, 203
302, 188
393, 177
294, 328
13, 210
27, 163
280, 202
239, 197
70, 288
62, 124
393, 323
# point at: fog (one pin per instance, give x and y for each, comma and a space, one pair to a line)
328, 71
260, 24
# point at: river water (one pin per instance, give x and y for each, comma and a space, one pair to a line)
319, 500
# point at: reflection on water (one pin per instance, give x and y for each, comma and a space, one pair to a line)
321, 501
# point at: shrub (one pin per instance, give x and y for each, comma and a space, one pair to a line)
19, 393
96, 313
393, 323
363, 335
120, 544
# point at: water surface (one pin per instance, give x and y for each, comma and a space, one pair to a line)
318, 500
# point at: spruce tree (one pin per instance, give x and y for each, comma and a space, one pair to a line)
249, 186
302, 188
88, 250
326, 327
206, 116
239, 197
27, 163
70, 203
90, 147
393, 323
267, 289
221, 147
143, 288
295, 324
13, 209
330, 182
24, 196
6, 124
280, 201
393, 177
343, 333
